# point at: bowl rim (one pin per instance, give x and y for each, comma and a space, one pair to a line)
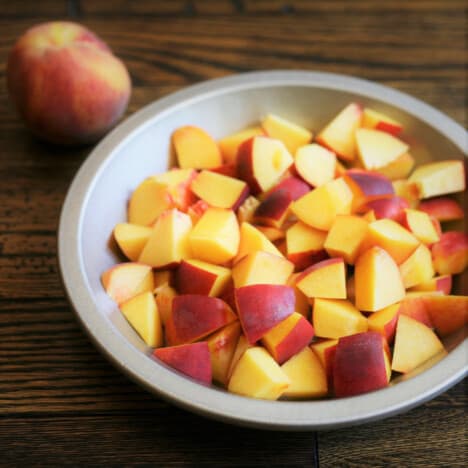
213, 402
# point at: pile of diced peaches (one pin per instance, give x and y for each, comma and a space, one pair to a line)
279, 265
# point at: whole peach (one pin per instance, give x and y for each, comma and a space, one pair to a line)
67, 85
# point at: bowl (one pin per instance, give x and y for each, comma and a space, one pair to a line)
140, 146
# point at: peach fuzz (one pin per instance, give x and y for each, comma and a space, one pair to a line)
84, 88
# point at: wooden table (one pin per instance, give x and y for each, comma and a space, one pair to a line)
61, 402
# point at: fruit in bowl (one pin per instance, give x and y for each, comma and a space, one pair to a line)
141, 147
66, 84
236, 314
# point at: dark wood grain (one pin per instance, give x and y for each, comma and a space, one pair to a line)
61, 402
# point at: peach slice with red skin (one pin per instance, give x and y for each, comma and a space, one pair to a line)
195, 316
384, 321
293, 186
367, 186
374, 119
305, 245
360, 364
450, 253
414, 305
442, 208
125, 280
195, 148
302, 303
339, 134
197, 277
261, 161
288, 337
388, 208
192, 360
229, 145
262, 306
448, 313
420, 224
274, 208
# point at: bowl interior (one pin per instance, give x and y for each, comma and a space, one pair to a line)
143, 148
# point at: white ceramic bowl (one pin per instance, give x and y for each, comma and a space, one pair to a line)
138, 147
